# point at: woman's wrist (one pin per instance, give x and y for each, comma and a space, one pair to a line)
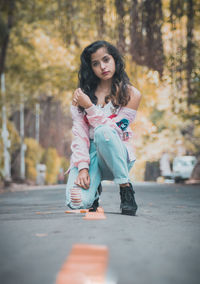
85, 169
83, 165
88, 105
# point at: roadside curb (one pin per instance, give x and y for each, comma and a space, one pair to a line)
25, 187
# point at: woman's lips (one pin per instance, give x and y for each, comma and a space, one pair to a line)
105, 73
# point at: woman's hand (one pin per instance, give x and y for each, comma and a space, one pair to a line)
81, 99
83, 179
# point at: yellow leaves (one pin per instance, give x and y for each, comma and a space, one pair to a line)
138, 169
31, 172
153, 77
53, 163
66, 98
34, 150
146, 81
13, 136
33, 155
50, 51
36, 154
197, 131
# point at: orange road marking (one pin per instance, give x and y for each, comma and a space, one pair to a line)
98, 215
85, 264
77, 211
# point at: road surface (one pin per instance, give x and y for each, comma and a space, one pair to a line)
161, 245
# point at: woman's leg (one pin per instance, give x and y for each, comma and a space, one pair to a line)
113, 162
80, 198
112, 155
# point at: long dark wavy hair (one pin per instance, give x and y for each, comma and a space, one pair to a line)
88, 81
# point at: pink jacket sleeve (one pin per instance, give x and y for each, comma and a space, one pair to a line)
120, 123
80, 143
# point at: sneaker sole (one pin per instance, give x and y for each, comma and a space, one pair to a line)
128, 212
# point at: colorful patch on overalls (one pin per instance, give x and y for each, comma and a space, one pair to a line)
123, 124
125, 136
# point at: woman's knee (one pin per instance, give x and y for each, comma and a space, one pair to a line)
103, 133
77, 200
73, 198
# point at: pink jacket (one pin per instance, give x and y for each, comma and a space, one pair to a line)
94, 116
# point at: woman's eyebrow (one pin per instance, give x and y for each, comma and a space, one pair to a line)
96, 60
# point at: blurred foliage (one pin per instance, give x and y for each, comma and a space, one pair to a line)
13, 136
65, 164
34, 153
53, 163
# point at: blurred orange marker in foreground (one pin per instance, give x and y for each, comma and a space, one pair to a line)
85, 264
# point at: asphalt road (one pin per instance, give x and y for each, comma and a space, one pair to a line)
161, 245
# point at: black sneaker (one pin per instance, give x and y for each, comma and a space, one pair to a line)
99, 189
95, 204
128, 204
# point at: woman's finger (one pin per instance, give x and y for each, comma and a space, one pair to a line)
78, 181
80, 91
88, 180
82, 182
74, 94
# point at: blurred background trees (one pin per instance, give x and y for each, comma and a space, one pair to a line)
40, 46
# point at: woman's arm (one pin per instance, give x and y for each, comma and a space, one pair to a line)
135, 98
80, 143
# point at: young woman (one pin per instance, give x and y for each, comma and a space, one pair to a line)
103, 107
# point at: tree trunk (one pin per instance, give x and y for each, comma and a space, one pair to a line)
190, 48
195, 176
136, 46
100, 18
9, 5
120, 25
145, 31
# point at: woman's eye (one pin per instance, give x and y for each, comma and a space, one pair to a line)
106, 59
95, 64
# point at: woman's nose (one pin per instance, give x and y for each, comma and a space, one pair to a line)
102, 64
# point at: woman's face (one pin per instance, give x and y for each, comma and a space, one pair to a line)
103, 64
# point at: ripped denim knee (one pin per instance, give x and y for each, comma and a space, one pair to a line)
75, 198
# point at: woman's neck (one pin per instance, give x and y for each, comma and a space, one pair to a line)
103, 90
105, 85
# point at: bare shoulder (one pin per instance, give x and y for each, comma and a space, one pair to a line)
135, 97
